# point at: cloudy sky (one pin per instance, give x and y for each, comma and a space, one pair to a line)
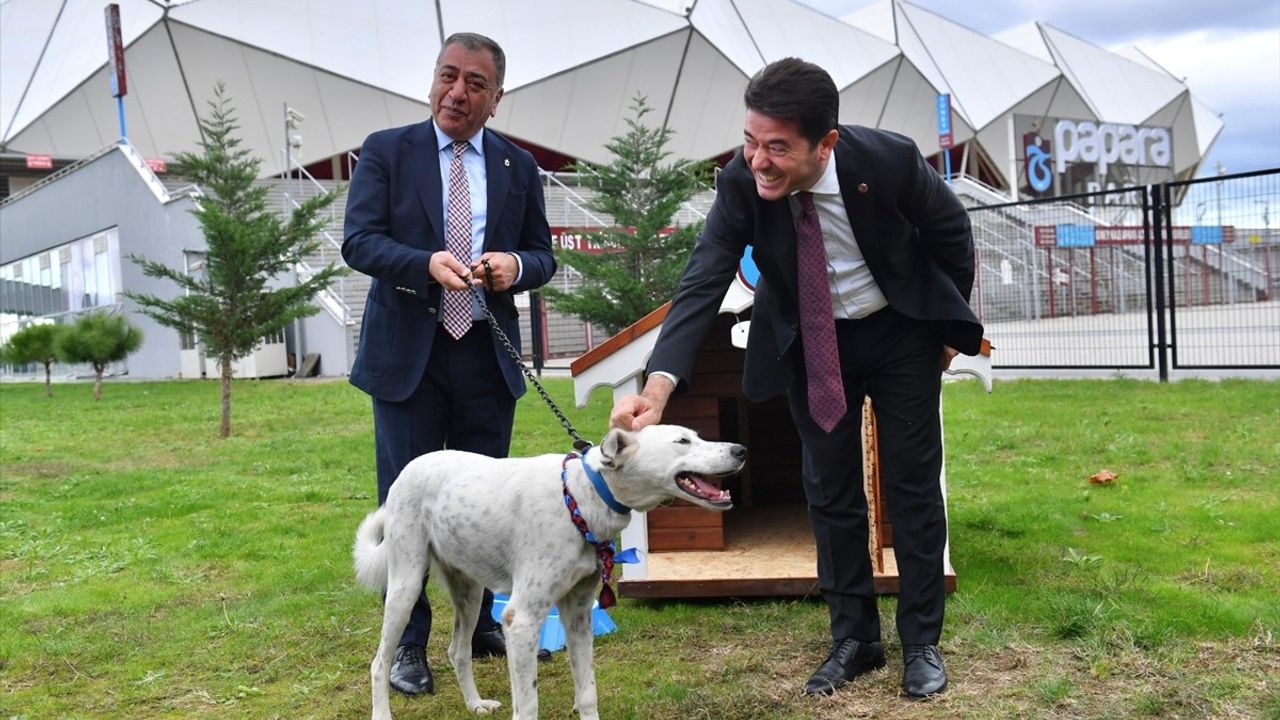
1227, 50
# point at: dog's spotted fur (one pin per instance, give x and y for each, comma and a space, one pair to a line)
502, 524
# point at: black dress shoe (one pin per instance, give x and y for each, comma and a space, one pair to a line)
922, 671
410, 674
488, 643
847, 660
492, 643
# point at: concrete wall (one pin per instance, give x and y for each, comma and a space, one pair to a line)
112, 191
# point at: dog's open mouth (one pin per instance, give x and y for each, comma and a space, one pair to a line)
696, 484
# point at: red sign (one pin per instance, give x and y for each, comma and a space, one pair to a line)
575, 238
157, 165
39, 162
115, 51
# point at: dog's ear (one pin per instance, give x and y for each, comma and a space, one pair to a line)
617, 448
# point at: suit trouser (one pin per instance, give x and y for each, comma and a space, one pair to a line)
894, 360
462, 403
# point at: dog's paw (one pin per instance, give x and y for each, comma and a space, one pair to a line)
484, 707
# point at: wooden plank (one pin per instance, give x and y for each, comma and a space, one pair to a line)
688, 516
682, 539
726, 360
720, 384
752, 587
768, 552
755, 587
707, 428
619, 341
716, 587
693, 405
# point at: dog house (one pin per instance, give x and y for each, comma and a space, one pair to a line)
764, 545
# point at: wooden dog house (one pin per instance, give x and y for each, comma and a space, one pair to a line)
764, 545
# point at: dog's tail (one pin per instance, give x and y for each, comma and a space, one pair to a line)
370, 552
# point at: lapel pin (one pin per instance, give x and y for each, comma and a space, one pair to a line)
506, 162
862, 188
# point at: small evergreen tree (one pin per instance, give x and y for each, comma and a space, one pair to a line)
641, 258
232, 308
98, 339
35, 344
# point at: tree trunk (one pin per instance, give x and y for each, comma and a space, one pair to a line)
97, 381
225, 366
48, 378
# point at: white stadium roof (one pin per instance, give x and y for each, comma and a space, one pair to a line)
573, 68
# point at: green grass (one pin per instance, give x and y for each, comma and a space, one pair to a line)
150, 570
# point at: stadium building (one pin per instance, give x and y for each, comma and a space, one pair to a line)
1034, 112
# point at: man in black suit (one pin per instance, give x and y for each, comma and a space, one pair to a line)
856, 216
433, 209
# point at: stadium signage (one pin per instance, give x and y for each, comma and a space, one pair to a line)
115, 51
1108, 143
946, 138
579, 239
1072, 235
573, 238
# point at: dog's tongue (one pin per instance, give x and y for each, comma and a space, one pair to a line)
700, 487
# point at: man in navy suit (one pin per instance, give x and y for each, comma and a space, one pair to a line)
893, 274
434, 209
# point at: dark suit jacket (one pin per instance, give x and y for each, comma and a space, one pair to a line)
394, 223
913, 233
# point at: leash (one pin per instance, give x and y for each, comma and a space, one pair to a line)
579, 443
606, 551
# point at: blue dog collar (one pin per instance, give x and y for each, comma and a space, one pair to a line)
602, 488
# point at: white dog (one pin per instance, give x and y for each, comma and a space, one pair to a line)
506, 525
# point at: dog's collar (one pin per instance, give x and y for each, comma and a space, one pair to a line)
602, 488
605, 549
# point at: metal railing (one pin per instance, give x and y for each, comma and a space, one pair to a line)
572, 198
1093, 281
332, 301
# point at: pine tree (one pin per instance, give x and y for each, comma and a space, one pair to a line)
35, 344
98, 339
641, 257
232, 307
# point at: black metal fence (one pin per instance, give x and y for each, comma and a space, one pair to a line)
1182, 275
1221, 284
548, 334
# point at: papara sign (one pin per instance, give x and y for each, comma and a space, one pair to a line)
1107, 144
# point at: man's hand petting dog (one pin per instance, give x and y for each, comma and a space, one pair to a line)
635, 412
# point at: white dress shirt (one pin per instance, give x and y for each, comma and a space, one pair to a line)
854, 293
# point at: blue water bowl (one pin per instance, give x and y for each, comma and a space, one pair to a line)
552, 635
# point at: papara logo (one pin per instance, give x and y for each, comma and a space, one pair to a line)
1038, 153
1106, 144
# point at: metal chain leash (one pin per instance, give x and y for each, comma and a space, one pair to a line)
579, 443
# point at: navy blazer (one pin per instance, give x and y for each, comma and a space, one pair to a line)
395, 222
913, 233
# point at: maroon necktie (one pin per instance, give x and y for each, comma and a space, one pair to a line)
455, 307
817, 324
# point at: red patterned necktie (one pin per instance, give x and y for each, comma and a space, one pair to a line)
817, 324
455, 308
